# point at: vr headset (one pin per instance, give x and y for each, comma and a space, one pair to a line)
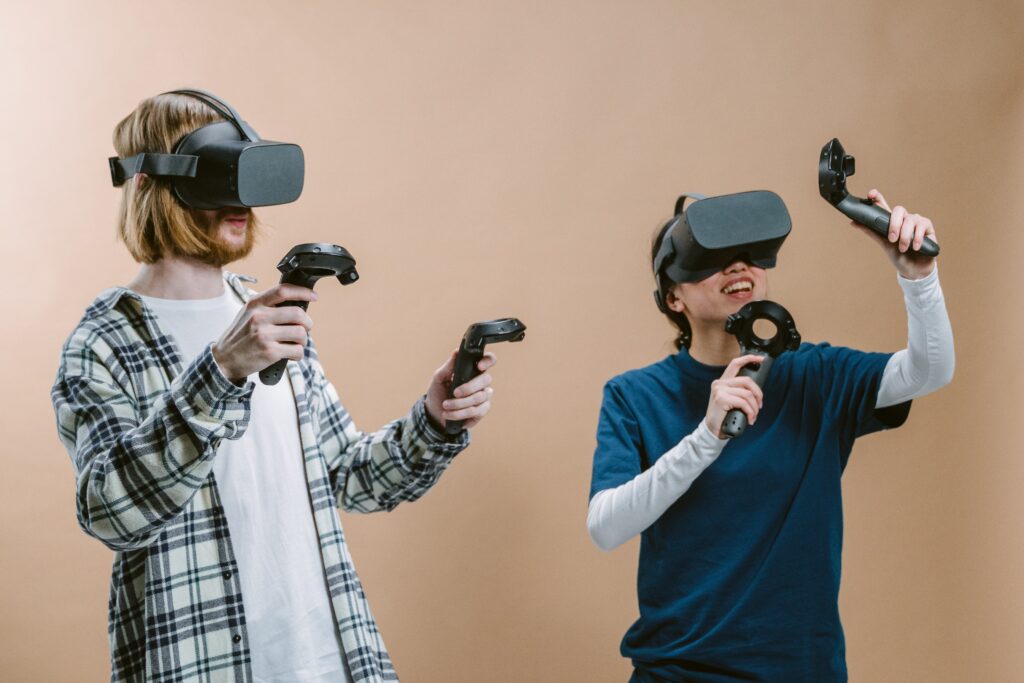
222, 164
712, 232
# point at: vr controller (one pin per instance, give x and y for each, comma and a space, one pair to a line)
786, 338
471, 350
303, 266
834, 166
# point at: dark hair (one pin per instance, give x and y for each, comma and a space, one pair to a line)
684, 334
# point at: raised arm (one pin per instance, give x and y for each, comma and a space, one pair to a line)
928, 361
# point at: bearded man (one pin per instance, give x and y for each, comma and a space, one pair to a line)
218, 494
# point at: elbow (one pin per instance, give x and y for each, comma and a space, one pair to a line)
119, 531
109, 536
947, 373
598, 533
943, 378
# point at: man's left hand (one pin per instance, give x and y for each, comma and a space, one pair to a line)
470, 402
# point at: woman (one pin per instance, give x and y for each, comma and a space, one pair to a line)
741, 540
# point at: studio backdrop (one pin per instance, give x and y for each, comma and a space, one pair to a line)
490, 159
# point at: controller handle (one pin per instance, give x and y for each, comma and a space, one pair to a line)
834, 167
785, 338
736, 420
871, 215
471, 350
303, 266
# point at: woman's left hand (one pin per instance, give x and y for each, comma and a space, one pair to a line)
906, 234
469, 402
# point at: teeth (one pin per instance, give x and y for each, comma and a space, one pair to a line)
742, 286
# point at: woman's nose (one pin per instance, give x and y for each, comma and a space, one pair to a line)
736, 266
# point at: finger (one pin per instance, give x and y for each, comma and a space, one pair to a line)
288, 334
920, 230
286, 292
907, 232
877, 198
488, 361
474, 412
444, 373
929, 227
468, 401
289, 351
737, 364
924, 229
743, 401
472, 386
896, 223
737, 397
746, 384
288, 315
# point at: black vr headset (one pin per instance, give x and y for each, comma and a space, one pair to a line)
713, 232
222, 164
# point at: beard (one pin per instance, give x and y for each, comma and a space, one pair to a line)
220, 252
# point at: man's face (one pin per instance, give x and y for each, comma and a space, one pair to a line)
232, 231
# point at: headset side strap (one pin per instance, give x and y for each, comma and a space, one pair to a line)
183, 165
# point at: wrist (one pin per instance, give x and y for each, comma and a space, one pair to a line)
433, 416
222, 366
916, 271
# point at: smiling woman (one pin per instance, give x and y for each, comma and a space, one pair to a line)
740, 551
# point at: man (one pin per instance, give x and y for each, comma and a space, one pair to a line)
217, 493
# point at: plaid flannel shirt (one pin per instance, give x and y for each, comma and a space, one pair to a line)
142, 431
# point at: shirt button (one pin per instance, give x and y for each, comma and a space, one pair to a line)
236, 639
227, 575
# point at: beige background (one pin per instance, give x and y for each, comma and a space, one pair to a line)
484, 159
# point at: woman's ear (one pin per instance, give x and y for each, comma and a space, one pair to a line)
674, 300
140, 179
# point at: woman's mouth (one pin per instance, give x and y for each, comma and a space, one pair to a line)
739, 289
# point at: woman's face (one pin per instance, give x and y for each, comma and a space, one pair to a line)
715, 298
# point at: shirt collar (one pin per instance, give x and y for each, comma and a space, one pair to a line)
109, 298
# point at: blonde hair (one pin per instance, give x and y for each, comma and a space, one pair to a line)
152, 221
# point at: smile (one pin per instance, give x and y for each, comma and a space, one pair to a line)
738, 286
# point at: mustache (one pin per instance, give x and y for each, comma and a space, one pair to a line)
232, 212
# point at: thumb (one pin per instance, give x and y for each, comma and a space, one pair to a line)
445, 371
876, 196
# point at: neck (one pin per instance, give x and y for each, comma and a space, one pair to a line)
175, 277
712, 345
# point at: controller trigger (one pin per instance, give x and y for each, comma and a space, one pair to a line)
471, 350
304, 265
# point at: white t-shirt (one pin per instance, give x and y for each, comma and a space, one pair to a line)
263, 488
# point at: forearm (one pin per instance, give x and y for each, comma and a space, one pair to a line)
616, 515
928, 361
133, 477
397, 463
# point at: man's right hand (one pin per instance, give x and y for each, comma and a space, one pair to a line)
262, 334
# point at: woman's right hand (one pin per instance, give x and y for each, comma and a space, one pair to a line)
262, 334
730, 392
